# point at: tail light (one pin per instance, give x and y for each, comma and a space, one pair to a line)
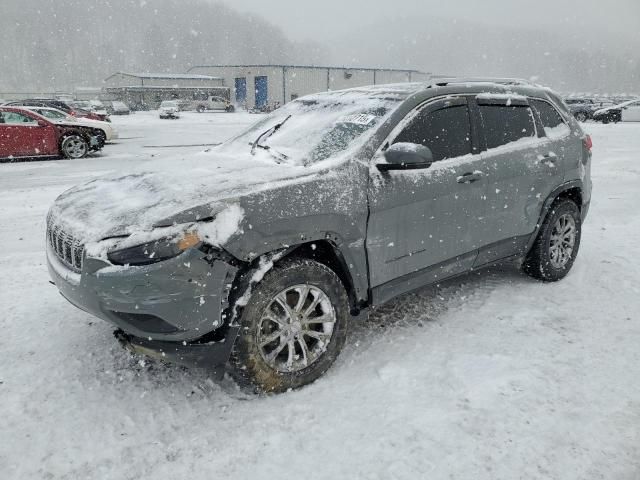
588, 143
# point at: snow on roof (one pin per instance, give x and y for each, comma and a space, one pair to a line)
169, 76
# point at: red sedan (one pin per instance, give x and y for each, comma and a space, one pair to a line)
25, 134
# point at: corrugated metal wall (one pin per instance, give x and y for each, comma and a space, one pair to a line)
289, 82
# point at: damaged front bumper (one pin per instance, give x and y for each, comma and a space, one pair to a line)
211, 355
163, 310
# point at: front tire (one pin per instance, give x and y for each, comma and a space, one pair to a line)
557, 244
292, 329
581, 117
74, 146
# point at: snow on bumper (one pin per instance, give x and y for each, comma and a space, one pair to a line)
177, 300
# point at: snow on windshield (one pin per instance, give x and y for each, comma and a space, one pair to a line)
319, 127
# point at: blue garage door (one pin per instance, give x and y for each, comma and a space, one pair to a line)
241, 90
262, 93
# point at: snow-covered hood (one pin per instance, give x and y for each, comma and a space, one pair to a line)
600, 111
169, 191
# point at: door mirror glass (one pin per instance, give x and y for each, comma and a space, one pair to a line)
406, 156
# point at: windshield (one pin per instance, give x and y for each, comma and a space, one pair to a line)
169, 104
318, 127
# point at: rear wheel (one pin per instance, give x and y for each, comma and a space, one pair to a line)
200, 109
557, 244
581, 116
74, 146
292, 329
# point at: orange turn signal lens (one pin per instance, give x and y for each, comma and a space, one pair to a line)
189, 240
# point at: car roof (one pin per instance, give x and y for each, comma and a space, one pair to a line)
33, 107
453, 85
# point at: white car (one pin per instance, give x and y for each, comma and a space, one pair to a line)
58, 116
625, 112
169, 109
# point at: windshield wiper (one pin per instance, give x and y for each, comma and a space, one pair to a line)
267, 134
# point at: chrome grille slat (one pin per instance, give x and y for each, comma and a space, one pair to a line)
68, 249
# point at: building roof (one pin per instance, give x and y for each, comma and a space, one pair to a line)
323, 67
166, 76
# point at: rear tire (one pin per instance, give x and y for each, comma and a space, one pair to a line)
200, 109
557, 244
292, 329
581, 117
74, 146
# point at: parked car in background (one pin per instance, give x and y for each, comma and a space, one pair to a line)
624, 112
116, 107
93, 106
213, 103
59, 105
581, 108
169, 109
26, 134
103, 129
259, 252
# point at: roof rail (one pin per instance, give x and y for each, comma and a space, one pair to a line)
441, 82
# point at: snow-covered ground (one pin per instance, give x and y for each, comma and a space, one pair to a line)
493, 376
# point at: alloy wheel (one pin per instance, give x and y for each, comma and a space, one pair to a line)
75, 147
562, 241
295, 328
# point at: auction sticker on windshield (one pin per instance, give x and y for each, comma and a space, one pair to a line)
358, 119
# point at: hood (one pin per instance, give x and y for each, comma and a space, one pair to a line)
169, 191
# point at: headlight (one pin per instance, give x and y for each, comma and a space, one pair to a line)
156, 251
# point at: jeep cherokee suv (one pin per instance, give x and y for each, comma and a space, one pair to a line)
257, 254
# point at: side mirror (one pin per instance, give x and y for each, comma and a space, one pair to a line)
406, 156
42, 123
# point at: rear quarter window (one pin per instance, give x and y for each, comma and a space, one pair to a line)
553, 123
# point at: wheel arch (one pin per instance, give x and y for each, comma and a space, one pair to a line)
323, 251
570, 190
329, 254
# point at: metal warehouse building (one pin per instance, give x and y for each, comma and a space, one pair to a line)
261, 85
152, 88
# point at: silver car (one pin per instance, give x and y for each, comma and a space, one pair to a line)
169, 109
256, 256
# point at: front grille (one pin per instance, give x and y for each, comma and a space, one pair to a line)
68, 249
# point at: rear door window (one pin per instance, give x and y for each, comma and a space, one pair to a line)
505, 124
446, 131
553, 123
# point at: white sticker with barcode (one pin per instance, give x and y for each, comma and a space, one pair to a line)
358, 119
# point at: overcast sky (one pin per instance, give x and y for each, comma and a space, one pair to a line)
318, 19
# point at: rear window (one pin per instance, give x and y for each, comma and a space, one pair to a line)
507, 124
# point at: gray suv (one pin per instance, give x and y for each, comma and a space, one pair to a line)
256, 255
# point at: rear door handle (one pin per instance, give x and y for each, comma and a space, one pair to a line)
470, 177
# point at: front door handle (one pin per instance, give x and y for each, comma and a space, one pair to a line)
470, 177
